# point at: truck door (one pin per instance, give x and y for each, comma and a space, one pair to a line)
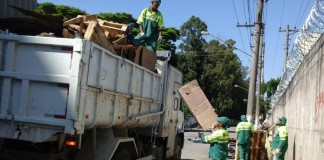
173, 119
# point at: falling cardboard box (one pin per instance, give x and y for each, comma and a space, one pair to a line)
198, 104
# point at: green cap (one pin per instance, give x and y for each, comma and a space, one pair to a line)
243, 118
283, 120
223, 120
159, 1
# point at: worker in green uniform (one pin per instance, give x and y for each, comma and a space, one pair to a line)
280, 139
218, 140
244, 130
150, 25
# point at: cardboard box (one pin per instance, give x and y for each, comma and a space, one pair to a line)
138, 55
198, 104
145, 58
148, 59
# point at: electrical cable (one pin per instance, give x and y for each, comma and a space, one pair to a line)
301, 6
238, 28
277, 42
301, 18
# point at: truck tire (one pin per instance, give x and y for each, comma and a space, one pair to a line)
178, 149
158, 153
122, 155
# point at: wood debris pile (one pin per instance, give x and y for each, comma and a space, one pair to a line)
109, 35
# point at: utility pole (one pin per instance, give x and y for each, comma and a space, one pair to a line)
255, 56
260, 81
287, 42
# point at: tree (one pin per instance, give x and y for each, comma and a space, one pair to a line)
215, 66
191, 55
268, 89
60, 11
124, 18
170, 36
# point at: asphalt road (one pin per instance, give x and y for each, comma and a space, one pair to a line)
195, 150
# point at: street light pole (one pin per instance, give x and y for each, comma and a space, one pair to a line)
237, 86
207, 33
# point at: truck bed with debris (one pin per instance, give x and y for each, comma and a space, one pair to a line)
51, 85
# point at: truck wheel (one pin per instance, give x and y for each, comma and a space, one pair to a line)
158, 153
178, 150
122, 155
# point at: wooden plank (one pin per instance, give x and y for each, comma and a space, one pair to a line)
118, 30
106, 33
113, 25
74, 26
76, 20
90, 30
81, 29
121, 40
67, 34
90, 18
95, 38
257, 147
113, 28
104, 40
125, 46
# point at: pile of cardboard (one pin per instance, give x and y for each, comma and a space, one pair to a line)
109, 35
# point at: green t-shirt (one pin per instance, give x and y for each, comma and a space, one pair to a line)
151, 23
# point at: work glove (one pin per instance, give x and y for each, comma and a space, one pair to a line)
143, 36
277, 151
203, 138
159, 39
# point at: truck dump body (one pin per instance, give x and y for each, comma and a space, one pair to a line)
50, 85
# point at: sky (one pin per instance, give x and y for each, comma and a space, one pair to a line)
221, 17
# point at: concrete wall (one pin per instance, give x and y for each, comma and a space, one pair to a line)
303, 105
7, 12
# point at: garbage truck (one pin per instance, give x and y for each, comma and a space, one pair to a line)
64, 99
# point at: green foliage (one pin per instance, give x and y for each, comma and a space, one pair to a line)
215, 66
124, 18
190, 34
170, 36
268, 89
60, 11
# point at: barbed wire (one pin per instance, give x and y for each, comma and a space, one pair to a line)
305, 40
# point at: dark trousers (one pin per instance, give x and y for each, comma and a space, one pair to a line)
244, 151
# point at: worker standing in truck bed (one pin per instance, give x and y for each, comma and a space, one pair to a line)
150, 25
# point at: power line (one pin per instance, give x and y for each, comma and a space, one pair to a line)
249, 21
301, 6
238, 22
301, 18
277, 43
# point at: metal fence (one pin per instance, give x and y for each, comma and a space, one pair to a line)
305, 40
